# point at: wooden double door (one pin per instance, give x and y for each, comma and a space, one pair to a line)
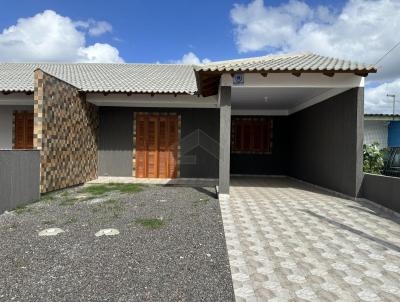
156, 146
23, 130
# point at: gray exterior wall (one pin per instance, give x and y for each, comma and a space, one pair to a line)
276, 163
326, 143
383, 190
206, 153
116, 141
19, 178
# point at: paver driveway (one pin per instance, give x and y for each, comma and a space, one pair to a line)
289, 241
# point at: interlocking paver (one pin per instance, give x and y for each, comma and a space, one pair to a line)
289, 241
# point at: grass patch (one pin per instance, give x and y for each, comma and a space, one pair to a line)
98, 190
22, 209
151, 223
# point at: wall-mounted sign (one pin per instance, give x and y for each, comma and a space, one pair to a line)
238, 79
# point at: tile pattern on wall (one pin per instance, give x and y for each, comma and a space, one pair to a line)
66, 132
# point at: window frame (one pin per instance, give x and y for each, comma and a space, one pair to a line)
248, 142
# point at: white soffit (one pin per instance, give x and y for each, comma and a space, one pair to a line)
157, 100
16, 98
311, 80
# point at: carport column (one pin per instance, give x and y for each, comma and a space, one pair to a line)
224, 142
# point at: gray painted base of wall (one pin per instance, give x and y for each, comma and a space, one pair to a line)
19, 178
383, 190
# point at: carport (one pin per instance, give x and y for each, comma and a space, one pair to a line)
294, 115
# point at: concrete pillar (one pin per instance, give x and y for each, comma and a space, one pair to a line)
224, 141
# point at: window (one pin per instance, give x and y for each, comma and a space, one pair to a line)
251, 135
23, 130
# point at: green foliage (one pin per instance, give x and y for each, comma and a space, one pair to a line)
373, 159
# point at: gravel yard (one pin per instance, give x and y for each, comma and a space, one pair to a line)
170, 246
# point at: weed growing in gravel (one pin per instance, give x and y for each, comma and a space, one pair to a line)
98, 190
151, 223
22, 209
20, 263
47, 197
201, 201
111, 206
72, 220
65, 194
69, 201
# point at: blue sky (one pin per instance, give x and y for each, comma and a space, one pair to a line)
192, 32
150, 31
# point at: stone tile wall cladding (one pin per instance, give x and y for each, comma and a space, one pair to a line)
66, 132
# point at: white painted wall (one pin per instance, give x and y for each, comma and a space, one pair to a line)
376, 131
6, 118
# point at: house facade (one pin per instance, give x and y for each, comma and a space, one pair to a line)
383, 129
298, 115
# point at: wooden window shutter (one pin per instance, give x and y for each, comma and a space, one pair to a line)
152, 146
163, 151
141, 133
173, 146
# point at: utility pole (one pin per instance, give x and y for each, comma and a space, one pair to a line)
394, 103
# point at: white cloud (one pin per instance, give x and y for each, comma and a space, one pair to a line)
376, 100
94, 28
191, 59
363, 31
51, 37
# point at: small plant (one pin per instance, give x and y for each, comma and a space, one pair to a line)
69, 201
71, 220
22, 209
373, 159
47, 198
151, 223
111, 207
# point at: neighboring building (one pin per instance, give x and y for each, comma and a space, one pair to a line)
383, 129
299, 115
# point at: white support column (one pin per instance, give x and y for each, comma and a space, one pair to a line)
224, 142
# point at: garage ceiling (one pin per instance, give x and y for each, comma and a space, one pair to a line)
277, 98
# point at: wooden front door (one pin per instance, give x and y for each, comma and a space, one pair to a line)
156, 146
23, 135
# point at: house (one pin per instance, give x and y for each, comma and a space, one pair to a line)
299, 115
383, 129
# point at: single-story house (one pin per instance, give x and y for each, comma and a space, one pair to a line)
299, 115
383, 129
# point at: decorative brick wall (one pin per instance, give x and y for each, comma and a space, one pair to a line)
66, 132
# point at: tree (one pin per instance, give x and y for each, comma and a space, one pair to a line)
373, 159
